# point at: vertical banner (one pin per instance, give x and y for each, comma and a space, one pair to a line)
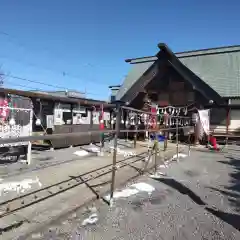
154, 116
205, 120
101, 119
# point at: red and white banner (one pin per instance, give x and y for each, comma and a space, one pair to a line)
154, 117
101, 119
205, 120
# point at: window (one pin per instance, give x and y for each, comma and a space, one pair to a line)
67, 117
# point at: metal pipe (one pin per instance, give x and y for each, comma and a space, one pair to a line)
155, 152
135, 133
177, 137
227, 125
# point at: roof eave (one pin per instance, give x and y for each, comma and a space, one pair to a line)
82, 101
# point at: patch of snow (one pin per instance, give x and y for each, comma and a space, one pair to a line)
95, 149
36, 235
22, 161
180, 155
132, 190
19, 187
122, 152
93, 218
157, 175
144, 187
81, 153
123, 194
163, 166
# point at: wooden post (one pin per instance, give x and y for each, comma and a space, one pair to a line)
101, 126
91, 124
156, 151
135, 138
196, 129
29, 153
165, 133
177, 138
29, 149
189, 148
227, 124
117, 128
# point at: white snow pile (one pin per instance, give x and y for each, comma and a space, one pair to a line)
132, 190
81, 153
163, 166
19, 187
93, 218
157, 175
95, 149
124, 153
180, 155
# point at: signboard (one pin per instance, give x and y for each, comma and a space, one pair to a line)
73, 94
79, 109
58, 116
204, 119
15, 119
50, 121
195, 118
16, 130
106, 116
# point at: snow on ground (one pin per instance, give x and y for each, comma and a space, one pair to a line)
132, 190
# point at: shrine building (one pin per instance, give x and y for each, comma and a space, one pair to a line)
205, 79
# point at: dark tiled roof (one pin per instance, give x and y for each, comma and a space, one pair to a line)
208, 51
220, 70
42, 95
134, 74
217, 67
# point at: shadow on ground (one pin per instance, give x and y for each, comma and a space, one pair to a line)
232, 191
232, 219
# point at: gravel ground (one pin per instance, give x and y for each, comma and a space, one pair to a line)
199, 198
47, 158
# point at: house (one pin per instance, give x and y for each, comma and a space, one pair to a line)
56, 112
207, 78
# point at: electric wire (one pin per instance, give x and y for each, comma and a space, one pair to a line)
37, 82
58, 56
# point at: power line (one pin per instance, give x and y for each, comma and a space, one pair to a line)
34, 81
21, 85
39, 89
37, 82
63, 73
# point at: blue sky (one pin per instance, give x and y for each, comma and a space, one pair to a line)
82, 45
